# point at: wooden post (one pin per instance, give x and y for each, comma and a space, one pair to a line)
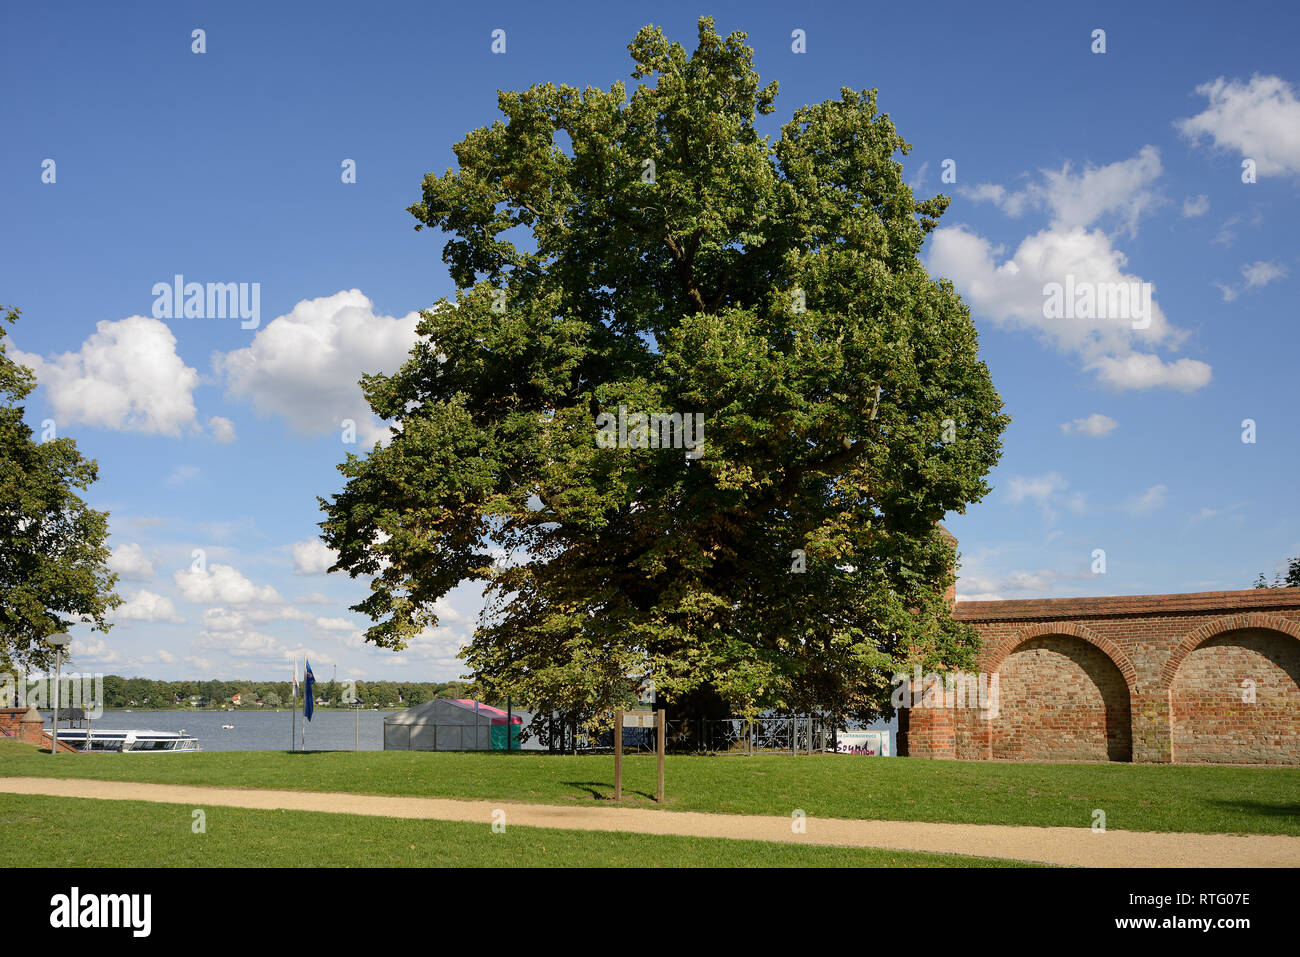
618, 755
661, 729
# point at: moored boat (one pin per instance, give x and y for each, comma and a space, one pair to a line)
129, 742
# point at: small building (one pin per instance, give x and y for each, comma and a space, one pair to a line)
451, 724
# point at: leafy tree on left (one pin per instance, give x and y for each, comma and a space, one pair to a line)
53, 552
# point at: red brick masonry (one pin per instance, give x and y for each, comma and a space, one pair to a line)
1209, 677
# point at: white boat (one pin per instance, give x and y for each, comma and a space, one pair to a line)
227, 727
129, 742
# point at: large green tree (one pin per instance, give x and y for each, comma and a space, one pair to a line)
658, 253
53, 552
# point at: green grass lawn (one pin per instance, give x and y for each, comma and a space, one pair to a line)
1134, 797
38, 831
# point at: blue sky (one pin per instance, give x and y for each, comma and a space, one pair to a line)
225, 167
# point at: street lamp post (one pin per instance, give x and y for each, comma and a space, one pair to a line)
59, 642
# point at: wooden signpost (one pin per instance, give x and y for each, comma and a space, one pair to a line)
638, 719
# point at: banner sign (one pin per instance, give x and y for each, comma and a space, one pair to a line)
874, 743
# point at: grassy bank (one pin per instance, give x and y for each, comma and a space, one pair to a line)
1134, 797
37, 831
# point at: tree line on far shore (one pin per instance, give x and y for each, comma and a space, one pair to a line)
151, 694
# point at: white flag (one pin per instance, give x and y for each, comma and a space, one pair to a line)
295, 676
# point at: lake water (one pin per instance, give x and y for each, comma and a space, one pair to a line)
328, 730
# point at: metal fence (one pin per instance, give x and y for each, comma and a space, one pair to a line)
790, 734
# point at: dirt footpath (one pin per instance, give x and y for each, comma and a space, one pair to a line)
1052, 845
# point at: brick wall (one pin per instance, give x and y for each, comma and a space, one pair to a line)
1149, 678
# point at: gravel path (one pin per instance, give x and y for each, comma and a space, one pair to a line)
1072, 846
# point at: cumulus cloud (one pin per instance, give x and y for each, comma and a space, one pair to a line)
95, 649
130, 562
335, 624
1121, 189
1094, 426
438, 647
1137, 371
1115, 344
313, 557
222, 429
1259, 120
221, 584
229, 619
248, 645
144, 605
127, 376
1008, 585
305, 366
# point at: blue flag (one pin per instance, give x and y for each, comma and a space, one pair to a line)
308, 680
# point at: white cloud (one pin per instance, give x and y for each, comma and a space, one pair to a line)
182, 474
1194, 206
221, 584
1047, 492
1256, 274
1149, 501
438, 647
144, 605
313, 557
1011, 294
917, 182
129, 562
305, 366
1094, 426
335, 624
243, 644
1262, 273
1259, 120
228, 619
222, 429
1121, 188
1138, 371
1072, 253
1035, 488
127, 376
1208, 513
95, 649
447, 613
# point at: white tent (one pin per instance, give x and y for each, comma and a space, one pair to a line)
446, 724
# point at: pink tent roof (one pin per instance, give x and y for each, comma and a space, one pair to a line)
498, 716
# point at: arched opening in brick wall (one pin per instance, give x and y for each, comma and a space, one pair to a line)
1061, 698
1213, 717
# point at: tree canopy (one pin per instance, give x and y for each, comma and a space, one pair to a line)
657, 253
53, 552
1290, 580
